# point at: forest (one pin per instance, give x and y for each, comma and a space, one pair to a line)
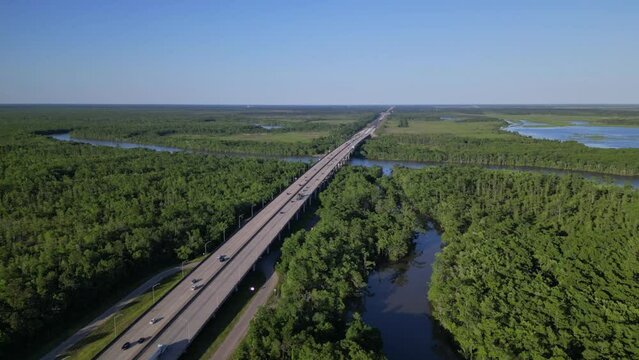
507, 152
301, 130
534, 266
77, 222
460, 137
324, 270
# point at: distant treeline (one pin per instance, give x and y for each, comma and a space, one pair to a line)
509, 151
197, 127
78, 222
200, 136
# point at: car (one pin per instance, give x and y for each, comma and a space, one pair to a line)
195, 287
193, 281
141, 340
153, 321
222, 258
161, 348
126, 345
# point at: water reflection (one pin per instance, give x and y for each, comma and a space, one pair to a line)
613, 137
398, 306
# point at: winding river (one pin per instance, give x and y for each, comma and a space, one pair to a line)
127, 145
387, 166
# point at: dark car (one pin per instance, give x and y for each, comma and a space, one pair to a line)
126, 345
222, 258
141, 340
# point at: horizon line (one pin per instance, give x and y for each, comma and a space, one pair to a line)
318, 104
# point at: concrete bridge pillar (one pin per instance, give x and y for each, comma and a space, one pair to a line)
253, 267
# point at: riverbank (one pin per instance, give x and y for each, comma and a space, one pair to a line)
386, 165
397, 304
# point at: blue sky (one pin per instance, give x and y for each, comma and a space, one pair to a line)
319, 52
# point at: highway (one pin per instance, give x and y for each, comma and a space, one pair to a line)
183, 311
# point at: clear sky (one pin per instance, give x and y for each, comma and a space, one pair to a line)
319, 52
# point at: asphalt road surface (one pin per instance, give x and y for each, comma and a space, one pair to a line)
240, 328
105, 316
184, 311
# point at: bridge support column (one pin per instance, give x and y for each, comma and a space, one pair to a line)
268, 248
253, 267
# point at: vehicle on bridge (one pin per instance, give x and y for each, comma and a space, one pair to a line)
158, 353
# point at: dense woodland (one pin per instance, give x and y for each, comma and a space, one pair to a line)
77, 221
324, 271
508, 151
215, 129
459, 135
534, 266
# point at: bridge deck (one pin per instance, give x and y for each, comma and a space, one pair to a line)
183, 312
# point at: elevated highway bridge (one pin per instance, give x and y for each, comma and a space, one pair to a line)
184, 311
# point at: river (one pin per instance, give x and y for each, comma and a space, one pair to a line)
610, 137
387, 166
397, 305
127, 145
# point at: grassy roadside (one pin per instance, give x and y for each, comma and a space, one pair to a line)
214, 333
122, 321
67, 329
100, 337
